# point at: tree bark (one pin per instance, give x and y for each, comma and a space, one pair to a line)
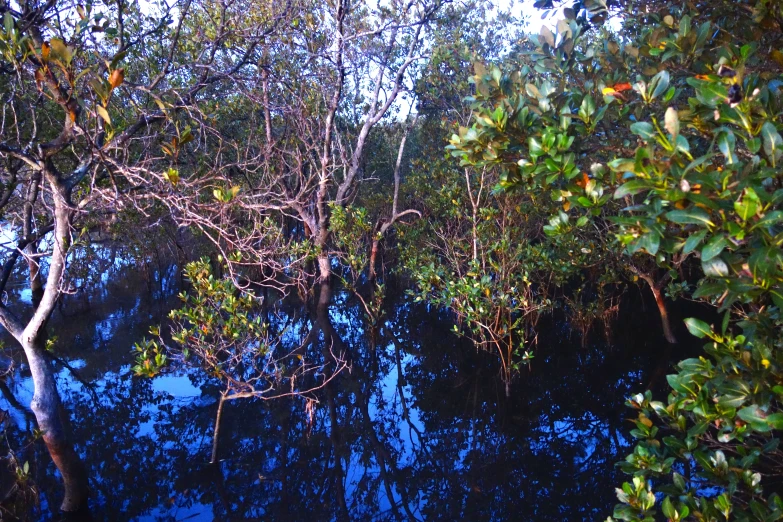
373, 258
49, 413
475, 203
395, 214
660, 301
324, 267
325, 295
667, 327
216, 433
46, 404
36, 282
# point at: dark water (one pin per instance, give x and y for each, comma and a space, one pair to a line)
418, 429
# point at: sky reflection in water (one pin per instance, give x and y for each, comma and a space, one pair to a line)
419, 429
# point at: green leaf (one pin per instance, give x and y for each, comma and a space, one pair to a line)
777, 296
172, 176
587, 108
624, 512
118, 58
682, 144
776, 421
650, 242
773, 143
631, 187
723, 504
755, 417
668, 509
715, 267
731, 401
621, 165
691, 216
709, 288
643, 129
724, 325
748, 205
8, 23
693, 241
771, 218
726, 143
698, 328
713, 247
535, 147
685, 26
709, 93
661, 85
764, 262
679, 481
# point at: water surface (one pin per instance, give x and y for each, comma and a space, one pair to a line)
419, 429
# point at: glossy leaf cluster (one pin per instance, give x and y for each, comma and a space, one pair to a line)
663, 141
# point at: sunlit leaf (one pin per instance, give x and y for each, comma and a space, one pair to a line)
698, 327
103, 113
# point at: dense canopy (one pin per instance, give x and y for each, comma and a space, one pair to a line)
293, 159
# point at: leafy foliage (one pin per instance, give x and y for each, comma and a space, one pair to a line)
585, 156
679, 166
221, 329
483, 279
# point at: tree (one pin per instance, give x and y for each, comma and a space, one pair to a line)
482, 273
227, 336
76, 136
683, 166
307, 108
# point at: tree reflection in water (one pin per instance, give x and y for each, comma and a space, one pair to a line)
418, 429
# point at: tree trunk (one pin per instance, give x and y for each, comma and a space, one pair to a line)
36, 282
507, 368
48, 411
324, 268
373, 258
661, 302
657, 288
46, 404
325, 295
216, 433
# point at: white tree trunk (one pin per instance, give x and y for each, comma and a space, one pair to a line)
46, 404
49, 413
